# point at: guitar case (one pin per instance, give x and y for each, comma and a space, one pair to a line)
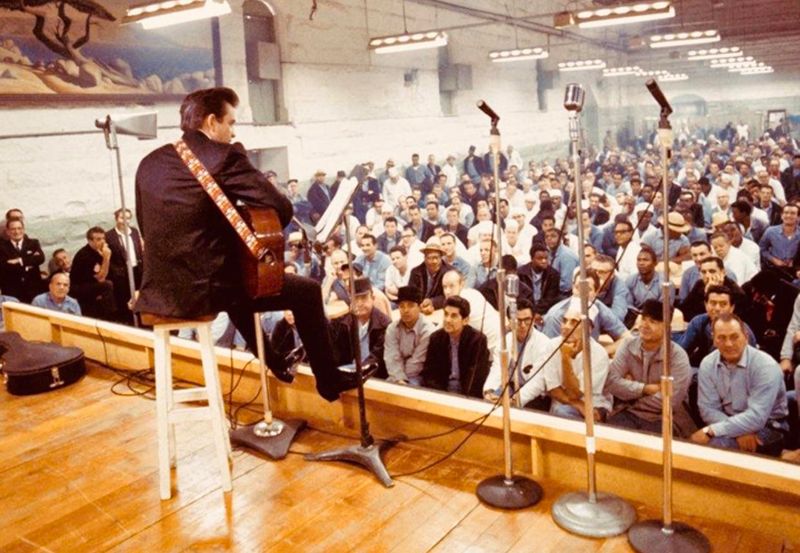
36, 367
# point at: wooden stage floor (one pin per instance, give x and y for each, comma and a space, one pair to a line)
78, 473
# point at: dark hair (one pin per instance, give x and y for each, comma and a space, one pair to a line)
742, 206
118, 212
625, 223
201, 103
790, 205
12, 210
524, 303
650, 251
591, 274
59, 272
459, 303
370, 237
718, 289
94, 230
390, 219
398, 248
699, 243
434, 202
509, 263
58, 251
537, 247
713, 259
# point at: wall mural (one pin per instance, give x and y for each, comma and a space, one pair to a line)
53, 50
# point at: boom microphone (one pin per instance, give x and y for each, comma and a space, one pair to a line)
654, 89
573, 97
484, 107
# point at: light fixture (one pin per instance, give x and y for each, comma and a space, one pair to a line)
172, 12
518, 54
756, 70
621, 71
715, 53
407, 42
582, 65
686, 38
674, 77
621, 15
744, 66
655, 73
731, 61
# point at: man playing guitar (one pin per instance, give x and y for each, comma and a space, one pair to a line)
191, 268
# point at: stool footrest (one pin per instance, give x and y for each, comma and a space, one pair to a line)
178, 414
190, 394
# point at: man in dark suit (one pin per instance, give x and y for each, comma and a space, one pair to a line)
458, 358
428, 276
319, 196
118, 268
422, 227
371, 325
20, 257
190, 264
473, 166
541, 279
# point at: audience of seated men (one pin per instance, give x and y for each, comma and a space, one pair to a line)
458, 358
57, 297
406, 343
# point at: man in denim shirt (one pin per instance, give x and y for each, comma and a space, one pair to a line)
406, 344
741, 396
779, 243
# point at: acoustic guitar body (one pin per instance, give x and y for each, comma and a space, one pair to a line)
262, 277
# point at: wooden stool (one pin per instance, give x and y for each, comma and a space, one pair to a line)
171, 405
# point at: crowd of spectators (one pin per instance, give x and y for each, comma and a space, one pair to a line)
423, 259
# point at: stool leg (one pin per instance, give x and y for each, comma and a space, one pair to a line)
211, 374
163, 393
173, 457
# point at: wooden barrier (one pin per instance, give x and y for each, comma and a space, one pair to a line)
746, 490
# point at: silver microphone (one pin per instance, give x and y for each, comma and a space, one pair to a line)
512, 285
573, 97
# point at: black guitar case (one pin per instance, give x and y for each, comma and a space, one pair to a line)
36, 367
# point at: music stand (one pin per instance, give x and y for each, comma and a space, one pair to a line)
367, 453
144, 127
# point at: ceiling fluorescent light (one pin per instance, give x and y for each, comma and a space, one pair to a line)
756, 70
518, 54
657, 73
621, 71
407, 42
173, 12
744, 66
583, 65
684, 39
674, 77
731, 61
714, 53
621, 15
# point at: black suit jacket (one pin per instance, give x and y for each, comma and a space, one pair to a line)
419, 278
461, 233
383, 242
477, 161
473, 361
21, 281
489, 291
550, 287
318, 199
428, 230
190, 262
118, 268
376, 330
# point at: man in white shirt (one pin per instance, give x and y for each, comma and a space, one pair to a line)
395, 188
627, 251
451, 171
742, 267
398, 273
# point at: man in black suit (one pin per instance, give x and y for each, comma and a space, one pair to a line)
541, 279
319, 196
428, 276
118, 268
89, 274
458, 358
20, 257
190, 264
422, 227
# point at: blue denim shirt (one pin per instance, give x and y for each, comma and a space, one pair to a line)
774, 243
69, 305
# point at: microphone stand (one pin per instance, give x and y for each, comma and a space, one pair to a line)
504, 491
368, 452
592, 514
655, 536
271, 436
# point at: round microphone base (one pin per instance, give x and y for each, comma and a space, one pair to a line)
650, 536
517, 492
608, 516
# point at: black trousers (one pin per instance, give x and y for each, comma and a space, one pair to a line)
303, 297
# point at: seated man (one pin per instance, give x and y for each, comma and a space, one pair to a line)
458, 358
489, 288
612, 292
563, 370
371, 327
634, 378
451, 257
741, 396
90, 283
398, 274
60, 262
646, 283
562, 259
530, 345
712, 271
374, 262
482, 316
406, 344
428, 276
542, 279
733, 258
56, 299
678, 242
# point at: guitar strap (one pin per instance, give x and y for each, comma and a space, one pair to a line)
219, 198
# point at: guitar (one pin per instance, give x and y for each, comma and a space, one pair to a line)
262, 277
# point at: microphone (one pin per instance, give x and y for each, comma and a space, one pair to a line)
512, 285
101, 123
655, 91
573, 97
484, 107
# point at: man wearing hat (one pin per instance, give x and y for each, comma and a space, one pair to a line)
370, 326
634, 377
319, 195
406, 343
428, 276
678, 242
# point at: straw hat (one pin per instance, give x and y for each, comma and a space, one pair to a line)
676, 223
433, 245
